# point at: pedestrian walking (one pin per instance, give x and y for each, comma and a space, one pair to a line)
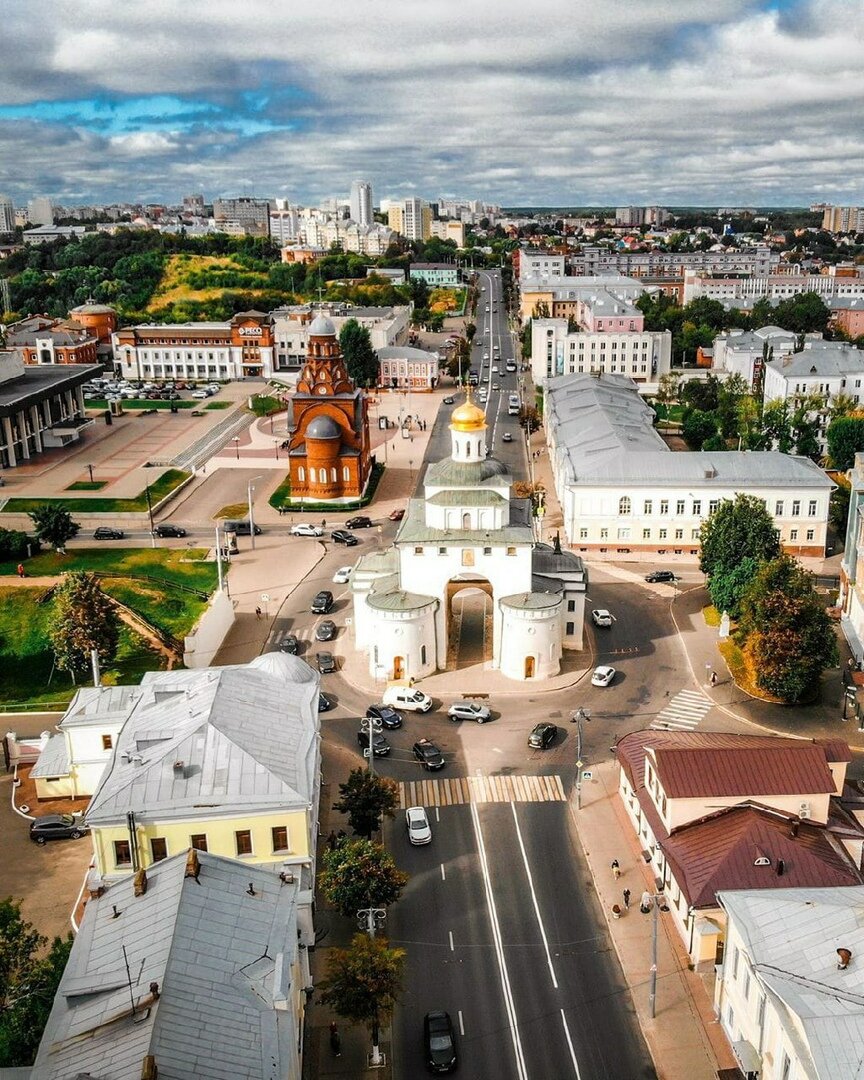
331, 840
713, 678
335, 1041
616, 869
323, 523
626, 895
21, 571
257, 612
646, 902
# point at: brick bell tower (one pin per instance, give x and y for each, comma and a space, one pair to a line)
329, 453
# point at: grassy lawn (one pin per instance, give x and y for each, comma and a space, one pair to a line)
26, 660
711, 615
218, 404
233, 510
166, 483
142, 403
87, 485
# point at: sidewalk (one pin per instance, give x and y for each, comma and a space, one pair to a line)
685, 1038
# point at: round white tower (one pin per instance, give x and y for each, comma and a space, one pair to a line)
468, 432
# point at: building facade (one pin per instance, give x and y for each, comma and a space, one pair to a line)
361, 202
387, 327
7, 215
412, 218
643, 355
40, 210
243, 216
403, 368
39, 340
436, 275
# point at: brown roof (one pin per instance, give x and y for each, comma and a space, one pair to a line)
792, 768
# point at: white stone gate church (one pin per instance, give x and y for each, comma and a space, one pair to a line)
468, 536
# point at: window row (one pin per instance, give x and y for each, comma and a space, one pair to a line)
467, 553
242, 845
319, 476
625, 507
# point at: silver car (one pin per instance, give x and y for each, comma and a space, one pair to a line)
469, 710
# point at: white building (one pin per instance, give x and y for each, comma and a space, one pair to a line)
40, 210
467, 536
742, 352
790, 991
746, 290
562, 295
538, 263
643, 355
285, 223
387, 327
623, 491
404, 368
412, 218
361, 202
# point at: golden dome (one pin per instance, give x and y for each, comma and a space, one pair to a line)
468, 417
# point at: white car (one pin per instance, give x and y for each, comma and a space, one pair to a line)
200, 395
304, 529
485, 355
417, 823
342, 574
602, 617
603, 675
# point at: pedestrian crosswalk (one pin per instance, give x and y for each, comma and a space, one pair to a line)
458, 790
684, 711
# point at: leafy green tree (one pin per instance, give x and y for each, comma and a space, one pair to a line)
29, 977
845, 439
804, 423
85, 619
360, 874
730, 394
842, 405
367, 798
15, 544
529, 418
788, 638
776, 427
363, 982
805, 313
698, 427
702, 394
54, 525
668, 388
360, 358
737, 531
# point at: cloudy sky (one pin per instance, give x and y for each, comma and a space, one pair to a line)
567, 102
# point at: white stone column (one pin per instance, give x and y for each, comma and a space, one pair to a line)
10, 443
36, 424
22, 428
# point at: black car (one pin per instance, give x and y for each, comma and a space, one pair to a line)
289, 644
326, 630
324, 703
359, 523
449, 401
660, 575
343, 537
104, 533
389, 717
428, 754
439, 1042
57, 827
322, 602
380, 746
542, 735
326, 663
169, 530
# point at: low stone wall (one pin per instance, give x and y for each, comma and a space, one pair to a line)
212, 629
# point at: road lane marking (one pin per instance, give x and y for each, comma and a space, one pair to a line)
459, 790
534, 900
461, 1023
684, 712
443, 875
570, 1044
450, 934
499, 949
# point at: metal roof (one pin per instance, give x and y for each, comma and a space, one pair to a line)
54, 758
698, 772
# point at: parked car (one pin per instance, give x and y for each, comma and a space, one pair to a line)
417, 823
542, 735
397, 515
240, 528
389, 717
290, 644
660, 575
324, 703
359, 522
57, 827
406, 697
198, 395
342, 575
428, 754
439, 1042
326, 663
449, 400
603, 675
326, 630
104, 533
380, 746
469, 710
322, 602
507, 437
342, 536
601, 617
305, 529
166, 529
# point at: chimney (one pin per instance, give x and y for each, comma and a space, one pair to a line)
193, 867
154, 990
179, 770
140, 882
844, 957
149, 1070
793, 830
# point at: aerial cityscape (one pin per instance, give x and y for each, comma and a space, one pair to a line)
431, 516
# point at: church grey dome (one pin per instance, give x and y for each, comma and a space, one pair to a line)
323, 427
284, 666
448, 472
321, 326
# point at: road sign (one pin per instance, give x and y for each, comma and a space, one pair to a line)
579, 763
587, 775
265, 596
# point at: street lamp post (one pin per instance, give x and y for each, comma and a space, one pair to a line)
236, 441
577, 718
250, 487
150, 515
90, 470
658, 903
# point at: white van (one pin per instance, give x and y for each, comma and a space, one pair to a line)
407, 697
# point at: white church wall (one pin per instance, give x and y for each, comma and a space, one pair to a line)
530, 634
411, 638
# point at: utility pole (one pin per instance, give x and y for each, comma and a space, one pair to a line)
369, 919
577, 718
371, 726
250, 487
658, 904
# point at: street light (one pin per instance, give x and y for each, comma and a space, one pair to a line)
657, 901
577, 718
236, 441
250, 487
150, 515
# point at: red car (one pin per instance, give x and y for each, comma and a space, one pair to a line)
397, 515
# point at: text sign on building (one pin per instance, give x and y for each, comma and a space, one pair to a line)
250, 331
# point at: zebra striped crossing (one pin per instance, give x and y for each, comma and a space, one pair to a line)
684, 711
458, 790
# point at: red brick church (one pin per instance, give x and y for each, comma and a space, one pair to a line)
329, 446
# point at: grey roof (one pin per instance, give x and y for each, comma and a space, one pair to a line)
414, 529
321, 326
323, 427
405, 352
54, 758
247, 736
825, 360
565, 565
466, 497
532, 601
448, 473
41, 382
222, 959
399, 600
792, 936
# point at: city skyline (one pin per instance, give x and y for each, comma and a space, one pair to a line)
735, 102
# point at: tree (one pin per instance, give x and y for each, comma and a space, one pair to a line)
788, 638
363, 982
668, 388
54, 525
85, 619
360, 874
730, 394
735, 532
776, 427
702, 394
29, 978
697, 427
360, 358
529, 418
16, 545
845, 440
366, 799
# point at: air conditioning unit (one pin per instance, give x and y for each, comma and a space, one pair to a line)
804, 810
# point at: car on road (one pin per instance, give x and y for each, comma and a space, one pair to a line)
198, 395
57, 827
495, 370
449, 400
326, 630
439, 1042
417, 823
324, 703
603, 675
240, 527
495, 386
342, 536
542, 735
104, 533
602, 617
507, 437
485, 355
389, 717
289, 644
305, 529
397, 515
342, 575
406, 697
322, 602
326, 663
359, 522
428, 754
469, 710
166, 529
380, 746
660, 575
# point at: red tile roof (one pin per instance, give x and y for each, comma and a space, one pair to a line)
749, 771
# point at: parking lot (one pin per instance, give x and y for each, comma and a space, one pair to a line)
111, 389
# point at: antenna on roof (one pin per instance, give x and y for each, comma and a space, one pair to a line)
129, 980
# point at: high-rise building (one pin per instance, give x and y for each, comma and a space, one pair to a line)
840, 219
7, 214
40, 211
194, 204
250, 217
412, 218
361, 202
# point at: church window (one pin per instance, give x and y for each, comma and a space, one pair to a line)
467, 556
571, 605
442, 551
418, 550
346, 473
479, 448
487, 550
423, 654
511, 550
624, 504
466, 521
333, 475
301, 474
570, 629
